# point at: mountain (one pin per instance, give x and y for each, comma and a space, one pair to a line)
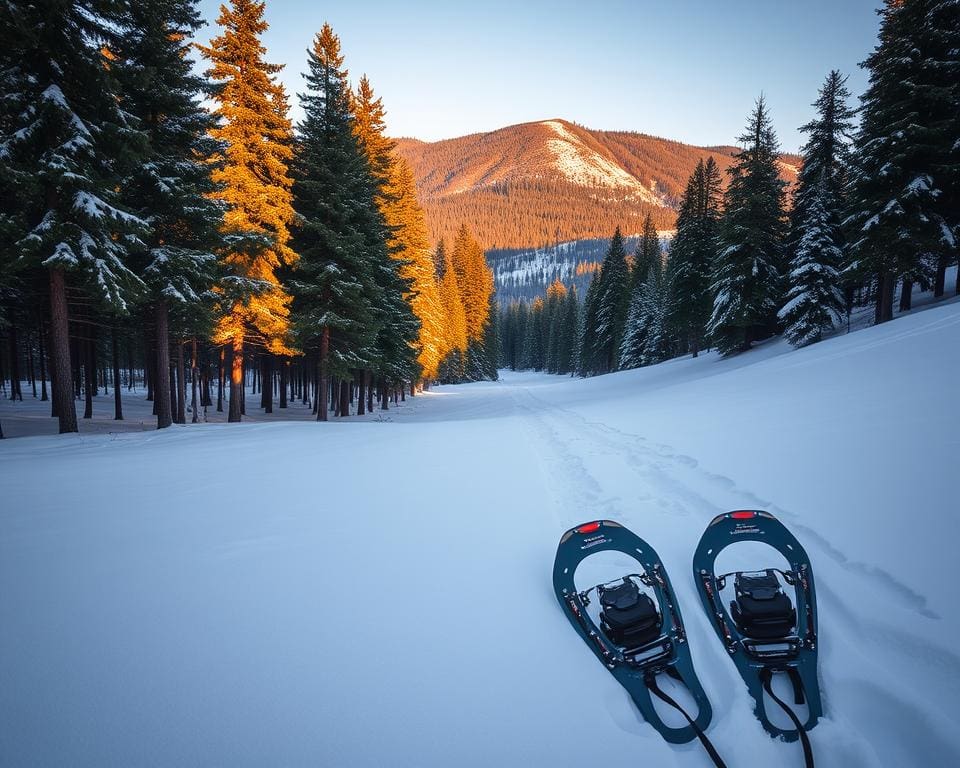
534, 184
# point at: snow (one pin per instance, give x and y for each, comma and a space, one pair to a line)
370, 593
587, 167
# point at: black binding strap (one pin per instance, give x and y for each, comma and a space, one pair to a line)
651, 683
766, 677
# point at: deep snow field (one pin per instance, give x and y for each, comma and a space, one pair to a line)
377, 592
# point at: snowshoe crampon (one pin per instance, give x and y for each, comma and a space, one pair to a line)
763, 630
638, 637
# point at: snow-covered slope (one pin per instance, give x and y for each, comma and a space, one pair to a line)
370, 594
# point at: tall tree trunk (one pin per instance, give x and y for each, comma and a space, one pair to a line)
15, 393
181, 386
117, 403
31, 370
173, 391
940, 280
384, 395
43, 363
60, 373
220, 380
369, 382
694, 343
361, 393
906, 296
266, 382
322, 396
89, 372
284, 378
887, 286
345, 397
161, 365
150, 366
193, 381
236, 379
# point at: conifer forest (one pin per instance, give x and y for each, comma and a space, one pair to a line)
176, 232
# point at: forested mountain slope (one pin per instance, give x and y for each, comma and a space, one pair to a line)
533, 184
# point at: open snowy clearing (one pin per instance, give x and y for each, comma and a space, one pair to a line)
370, 594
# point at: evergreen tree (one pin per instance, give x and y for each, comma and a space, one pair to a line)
692, 254
747, 273
534, 343
814, 301
814, 298
556, 292
491, 343
587, 350
475, 283
170, 186
906, 154
566, 345
253, 183
407, 238
826, 158
455, 320
612, 303
648, 251
647, 338
64, 141
340, 297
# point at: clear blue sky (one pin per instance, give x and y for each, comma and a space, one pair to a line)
681, 69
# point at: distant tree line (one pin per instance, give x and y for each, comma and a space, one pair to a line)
874, 209
143, 234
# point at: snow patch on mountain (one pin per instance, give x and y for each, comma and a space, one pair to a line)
584, 166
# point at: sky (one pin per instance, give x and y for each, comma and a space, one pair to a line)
679, 69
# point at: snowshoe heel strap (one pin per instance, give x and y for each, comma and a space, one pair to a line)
651, 682
766, 677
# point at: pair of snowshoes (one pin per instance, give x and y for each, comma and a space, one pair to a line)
638, 631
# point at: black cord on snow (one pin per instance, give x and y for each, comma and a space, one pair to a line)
651, 683
766, 677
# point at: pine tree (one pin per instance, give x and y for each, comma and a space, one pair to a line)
648, 251
906, 154
647, 338
692, 254
63, 142
407, 238
253, 183
587, 350
340, 298
826, 157
534, 342
475, 282
747, 273
455, 320
170, 187
612, 304
567, 333
814, 301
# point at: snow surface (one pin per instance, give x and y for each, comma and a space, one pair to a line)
366, 593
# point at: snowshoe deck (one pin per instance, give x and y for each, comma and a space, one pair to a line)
635, 669
759, 658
